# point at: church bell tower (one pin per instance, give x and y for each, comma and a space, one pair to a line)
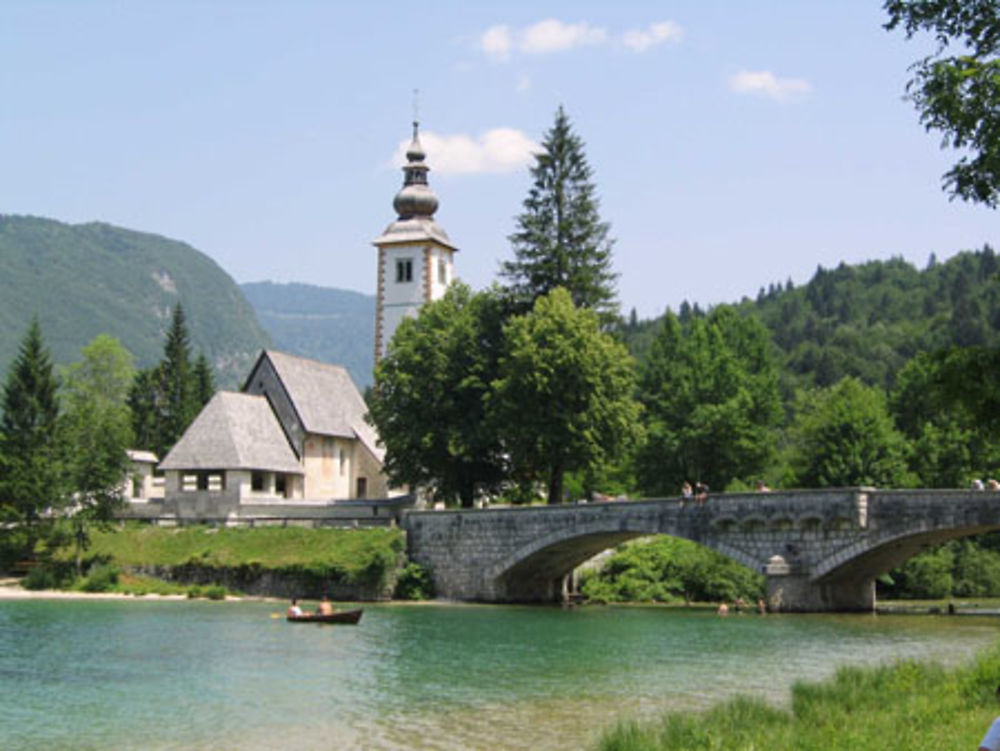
415, 256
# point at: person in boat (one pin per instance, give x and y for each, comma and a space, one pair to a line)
325, 607
294, 610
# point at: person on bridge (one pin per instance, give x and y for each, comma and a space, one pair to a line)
991, 741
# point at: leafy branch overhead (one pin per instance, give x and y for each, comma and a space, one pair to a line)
956, 89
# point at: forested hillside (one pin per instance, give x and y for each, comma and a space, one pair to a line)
868, 320
331, 325
89, 279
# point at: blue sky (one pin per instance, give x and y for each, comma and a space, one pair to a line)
733, 144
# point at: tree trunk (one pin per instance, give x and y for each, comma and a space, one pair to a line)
556, 484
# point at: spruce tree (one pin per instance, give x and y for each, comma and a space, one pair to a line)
31, 454
177, 379
560, 239
165, 399
204, 381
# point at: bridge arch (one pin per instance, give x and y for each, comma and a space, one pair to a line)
880, 553
536, 570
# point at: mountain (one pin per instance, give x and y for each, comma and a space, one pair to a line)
331, 325
88, 279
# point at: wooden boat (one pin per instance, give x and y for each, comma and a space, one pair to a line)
341, 616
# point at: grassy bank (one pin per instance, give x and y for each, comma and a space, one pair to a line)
916, 706
317, 559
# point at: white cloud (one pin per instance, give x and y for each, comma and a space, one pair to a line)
765, 83
496, 42
498, 150
544, 37
523, 84
640, 40
555, 36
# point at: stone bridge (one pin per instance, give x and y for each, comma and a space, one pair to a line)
820, 549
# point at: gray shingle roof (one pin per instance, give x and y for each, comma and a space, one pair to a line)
325, 398
234, 431
416, 229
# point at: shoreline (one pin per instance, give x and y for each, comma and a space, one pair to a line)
11, 589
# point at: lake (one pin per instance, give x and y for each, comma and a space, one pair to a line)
204, 675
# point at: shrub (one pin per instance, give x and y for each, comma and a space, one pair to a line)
414, 583
49, 575
100, 578
215, 592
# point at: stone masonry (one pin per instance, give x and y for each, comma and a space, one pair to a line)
820, 549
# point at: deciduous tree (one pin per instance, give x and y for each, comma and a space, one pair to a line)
98, 430
564, 397
429, 400
712, 405
843, 435
956, 89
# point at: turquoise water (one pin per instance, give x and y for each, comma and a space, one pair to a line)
200, 675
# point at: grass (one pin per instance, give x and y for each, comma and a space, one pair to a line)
364, 557
270, 547
911, 705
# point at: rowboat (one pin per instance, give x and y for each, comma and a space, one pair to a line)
342, 616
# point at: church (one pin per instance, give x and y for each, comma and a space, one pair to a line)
296, 434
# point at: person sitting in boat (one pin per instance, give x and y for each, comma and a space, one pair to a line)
325, 607
294, 610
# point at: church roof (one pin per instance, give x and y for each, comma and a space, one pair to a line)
415, 204
234, 431
414, 230
325, 398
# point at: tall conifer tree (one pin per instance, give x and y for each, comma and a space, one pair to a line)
32, 476
165, 399
560, 239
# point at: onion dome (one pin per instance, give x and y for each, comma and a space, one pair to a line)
415, 199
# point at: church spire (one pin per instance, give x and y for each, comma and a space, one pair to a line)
415, 199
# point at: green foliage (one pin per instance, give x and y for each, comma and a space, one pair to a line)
712, 404
329, 325
165, 399
960, 568
560, 240
666, 569
941, 403
919, 706
956, 89
89, 279
429, 403
414, 583
843, 436
49, 575
351, 555
100, 578
563, 400
98, 432
214, 592
869, 320
927, 575
33, 478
